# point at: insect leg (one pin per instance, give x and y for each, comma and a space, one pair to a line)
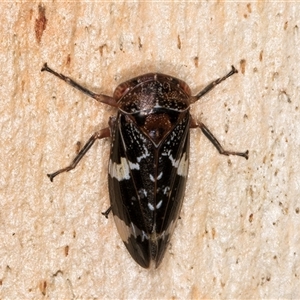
106, 213
215, 142
213, 84
99, 97
103, 133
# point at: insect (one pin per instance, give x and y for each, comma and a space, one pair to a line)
149, 157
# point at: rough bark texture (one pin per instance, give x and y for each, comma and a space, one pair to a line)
238, 236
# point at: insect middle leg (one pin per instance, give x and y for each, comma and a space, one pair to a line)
103, 133
215, 142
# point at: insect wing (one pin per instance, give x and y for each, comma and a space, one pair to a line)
173, 161
124, 198
146, 184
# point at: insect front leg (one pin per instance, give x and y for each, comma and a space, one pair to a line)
99, 97
215, 142
213, 84
103, 133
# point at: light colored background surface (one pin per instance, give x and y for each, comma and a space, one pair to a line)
239, 232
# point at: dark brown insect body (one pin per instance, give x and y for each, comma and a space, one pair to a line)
149, 158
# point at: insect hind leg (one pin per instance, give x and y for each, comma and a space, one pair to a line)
106, 213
